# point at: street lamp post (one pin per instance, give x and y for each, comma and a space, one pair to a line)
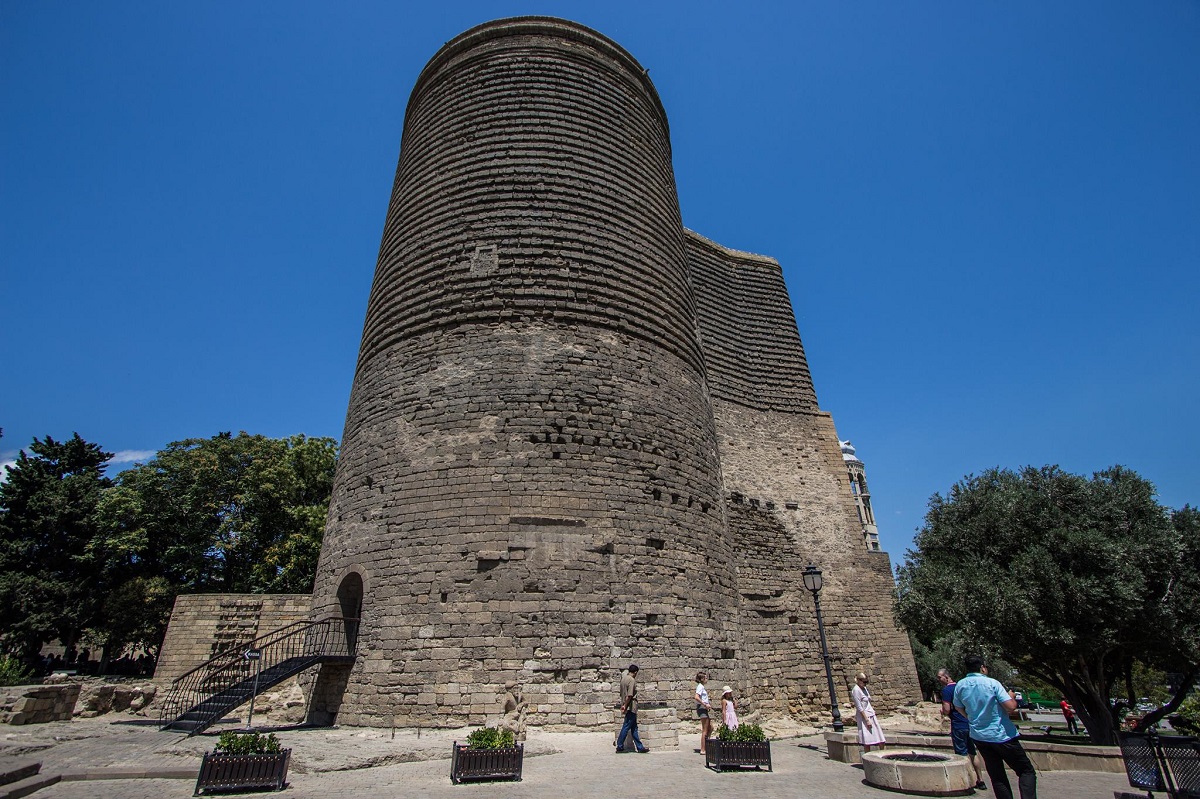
813, 582
255, 656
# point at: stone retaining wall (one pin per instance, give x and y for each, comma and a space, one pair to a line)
657, 727
204, 624
37, 704
1045, 755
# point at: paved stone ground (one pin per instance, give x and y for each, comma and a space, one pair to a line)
356, 762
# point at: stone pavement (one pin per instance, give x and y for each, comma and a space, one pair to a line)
356, 762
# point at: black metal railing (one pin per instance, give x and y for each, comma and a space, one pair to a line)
1169, 763
203, 695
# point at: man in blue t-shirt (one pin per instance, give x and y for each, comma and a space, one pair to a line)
986, 705
960, 730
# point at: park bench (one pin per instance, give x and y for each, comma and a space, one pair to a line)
1167, 763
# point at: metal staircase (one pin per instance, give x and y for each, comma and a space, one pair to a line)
197, 699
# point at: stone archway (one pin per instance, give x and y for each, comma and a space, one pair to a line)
350, 603
332, 678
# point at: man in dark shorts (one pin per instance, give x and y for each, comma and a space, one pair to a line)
960, 729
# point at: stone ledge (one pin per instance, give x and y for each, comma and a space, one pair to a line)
27, 786
131, 774
38, 704
1045, 755
925, 774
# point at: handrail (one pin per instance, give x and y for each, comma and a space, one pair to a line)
229, 671
239, 649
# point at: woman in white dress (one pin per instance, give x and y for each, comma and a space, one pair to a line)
870, 734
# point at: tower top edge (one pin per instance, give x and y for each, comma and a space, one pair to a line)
721, 249
549, 27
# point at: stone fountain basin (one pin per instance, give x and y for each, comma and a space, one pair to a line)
918, 772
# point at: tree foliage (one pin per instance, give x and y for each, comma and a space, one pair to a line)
1068, 579
83, 555
238, 514
48, 587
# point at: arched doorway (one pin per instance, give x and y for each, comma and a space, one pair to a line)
350, 601
333, 676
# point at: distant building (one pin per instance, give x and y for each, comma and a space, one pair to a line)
862, 497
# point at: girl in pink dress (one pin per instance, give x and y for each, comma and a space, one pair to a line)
728, 708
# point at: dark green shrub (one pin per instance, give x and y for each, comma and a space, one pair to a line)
13, 673
247, 743
745, 733
491, 738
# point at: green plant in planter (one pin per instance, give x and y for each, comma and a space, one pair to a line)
247, 743
491, 738
745, 733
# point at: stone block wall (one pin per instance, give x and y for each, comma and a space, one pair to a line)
789, 502
579, 436
37, 704
203, 625
528, 485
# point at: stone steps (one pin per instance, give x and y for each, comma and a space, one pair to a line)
23, 780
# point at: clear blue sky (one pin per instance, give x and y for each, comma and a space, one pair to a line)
988, 214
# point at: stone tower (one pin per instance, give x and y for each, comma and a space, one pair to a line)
578, 436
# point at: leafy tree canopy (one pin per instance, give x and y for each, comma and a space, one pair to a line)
229, 513
48, 589
1069, 579
81, 555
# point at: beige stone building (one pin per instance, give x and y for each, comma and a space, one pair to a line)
857, 476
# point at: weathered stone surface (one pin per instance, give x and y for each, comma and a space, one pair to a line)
934, 774
96, 699
204, 624
579, 436
1045, 755
37, 704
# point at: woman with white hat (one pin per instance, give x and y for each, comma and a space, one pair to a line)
729, 708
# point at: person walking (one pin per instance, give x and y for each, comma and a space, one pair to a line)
986, 704
629, 711
729, 708
1069, 714
703, 711
960, 729
869, 732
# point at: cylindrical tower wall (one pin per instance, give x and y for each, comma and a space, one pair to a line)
529, 484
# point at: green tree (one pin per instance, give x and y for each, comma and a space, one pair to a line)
48, 587
240, 514
1070, 580
947, 652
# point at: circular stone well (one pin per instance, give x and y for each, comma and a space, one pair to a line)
921, 773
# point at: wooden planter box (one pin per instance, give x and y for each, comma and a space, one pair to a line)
219, 772
720, 755
486, 764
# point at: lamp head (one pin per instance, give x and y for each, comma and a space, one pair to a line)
812, 578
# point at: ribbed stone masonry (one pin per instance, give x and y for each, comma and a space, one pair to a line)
578, 435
